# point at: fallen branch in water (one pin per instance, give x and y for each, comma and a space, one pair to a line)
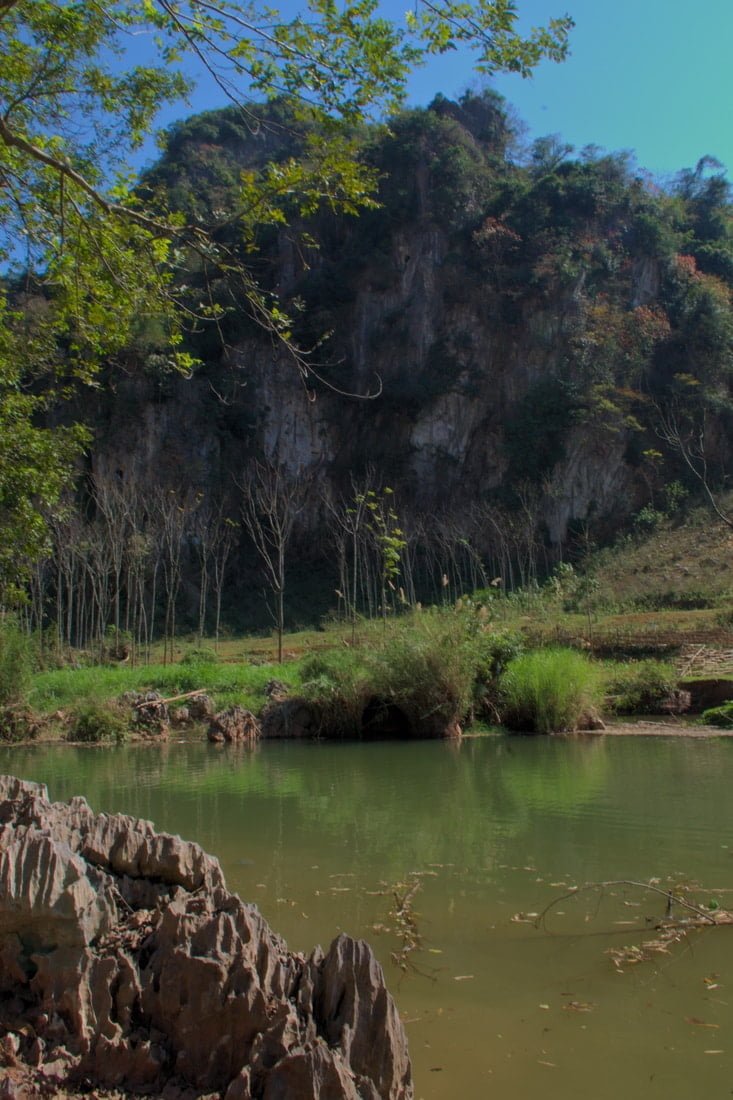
668, 930
672, 899
405, 921
404, 925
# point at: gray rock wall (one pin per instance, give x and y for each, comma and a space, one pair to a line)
452, 372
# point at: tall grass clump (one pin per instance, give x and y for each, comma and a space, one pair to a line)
95, 722
719, 716
228, 684
549, 690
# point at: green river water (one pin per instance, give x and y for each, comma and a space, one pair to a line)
317, 834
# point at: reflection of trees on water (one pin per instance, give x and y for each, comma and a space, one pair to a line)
407, 804
397, 806
553, 775
512, 816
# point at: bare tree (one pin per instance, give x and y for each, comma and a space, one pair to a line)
271, 502
339, 538
202, 532
114, 499
69, 572
175, 511
688, 438
414, 528
458, 561
351, 534
38, 580
225, 538
213, 534
526, 524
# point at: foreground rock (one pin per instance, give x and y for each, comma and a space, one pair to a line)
126, 964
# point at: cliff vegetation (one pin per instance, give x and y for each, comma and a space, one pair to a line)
513, 355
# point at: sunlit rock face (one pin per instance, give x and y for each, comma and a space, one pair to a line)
124, 961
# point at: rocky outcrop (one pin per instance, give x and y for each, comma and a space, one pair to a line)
292, 717
677, 701
201, 707
234, 724
149, 714
508, 323
709, 691
125, 963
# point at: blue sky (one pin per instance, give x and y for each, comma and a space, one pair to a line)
652, 76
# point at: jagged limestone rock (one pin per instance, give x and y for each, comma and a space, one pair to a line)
124, 961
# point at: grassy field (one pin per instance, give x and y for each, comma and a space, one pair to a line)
686, 562
233, 683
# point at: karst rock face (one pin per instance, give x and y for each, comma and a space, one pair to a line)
125, 962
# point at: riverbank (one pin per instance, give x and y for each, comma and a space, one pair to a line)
424, 674
646, 727
650, 728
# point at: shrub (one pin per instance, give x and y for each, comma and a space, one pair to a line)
428, 668
648, 519
95, 722
549, 690
16, 662
724, 618
335, 688
495, 652
17, 724
719, 716
424, 668
202, 655
639, 687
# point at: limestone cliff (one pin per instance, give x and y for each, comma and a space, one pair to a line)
516, 322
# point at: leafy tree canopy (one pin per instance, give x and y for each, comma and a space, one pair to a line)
73, 105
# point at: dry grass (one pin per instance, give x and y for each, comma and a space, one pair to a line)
686, 561
262, 649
